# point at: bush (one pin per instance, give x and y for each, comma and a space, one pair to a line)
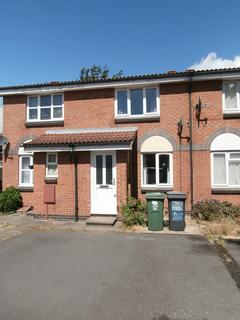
210, 210
10, 200
134, 212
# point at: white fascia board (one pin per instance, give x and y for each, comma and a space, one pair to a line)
223, 76
120, 84
80, 148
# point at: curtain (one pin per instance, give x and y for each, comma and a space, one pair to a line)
219, 168
234, 173
230, 96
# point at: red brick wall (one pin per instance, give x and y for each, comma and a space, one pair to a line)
95, 108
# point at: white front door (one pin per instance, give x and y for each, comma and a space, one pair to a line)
103, 183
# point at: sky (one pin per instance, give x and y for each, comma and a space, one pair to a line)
50, 40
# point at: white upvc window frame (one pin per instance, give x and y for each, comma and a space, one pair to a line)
51, 163
45, 107
234, 110
22, 184
227, 160
145, 113
158, 184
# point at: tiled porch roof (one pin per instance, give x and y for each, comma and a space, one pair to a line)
84, 137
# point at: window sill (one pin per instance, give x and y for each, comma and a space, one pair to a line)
225, 190
231, 115
25, 188
150, 118
52, 123
49, 180
157, 188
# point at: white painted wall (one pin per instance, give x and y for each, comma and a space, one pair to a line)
156, 144
225, 142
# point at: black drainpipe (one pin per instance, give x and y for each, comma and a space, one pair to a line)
190, 136
75, 162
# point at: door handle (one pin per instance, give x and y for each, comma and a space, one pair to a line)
113, 181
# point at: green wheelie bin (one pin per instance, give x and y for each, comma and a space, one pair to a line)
155, 202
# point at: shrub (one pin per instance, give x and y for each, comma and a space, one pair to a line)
10, 200
134, 212
210, 210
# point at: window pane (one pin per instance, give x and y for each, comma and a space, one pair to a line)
45, 101
57, 100
25, 176
33, 102
57, 112
45, 113
136, 101
122, 102
219, 169
234, 173
151, 100
230, 96
33, 114
99, 171
164, 168
108, 169
25, 162
52, 157
149, 169
234, 155
52, 170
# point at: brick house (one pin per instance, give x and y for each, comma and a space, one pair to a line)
80, 148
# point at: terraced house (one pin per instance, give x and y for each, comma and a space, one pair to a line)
76, 149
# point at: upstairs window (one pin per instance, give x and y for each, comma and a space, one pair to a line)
231, 103
137, 102
45, 108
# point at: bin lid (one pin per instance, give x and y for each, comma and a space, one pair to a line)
176, 195
155, 195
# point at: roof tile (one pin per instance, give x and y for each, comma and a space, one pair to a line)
122, 78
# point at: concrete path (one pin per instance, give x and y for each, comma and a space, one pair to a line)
16, 224
120, 276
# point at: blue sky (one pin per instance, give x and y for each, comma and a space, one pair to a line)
49, 40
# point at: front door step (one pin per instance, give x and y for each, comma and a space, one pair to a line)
24, 209
101, 220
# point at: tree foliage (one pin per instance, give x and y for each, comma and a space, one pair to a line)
96, 72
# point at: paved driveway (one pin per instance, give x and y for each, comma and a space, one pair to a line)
89, 275
233, 247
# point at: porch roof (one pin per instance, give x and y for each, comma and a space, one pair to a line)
81, 139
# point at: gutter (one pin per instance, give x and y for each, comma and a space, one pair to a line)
75, 162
